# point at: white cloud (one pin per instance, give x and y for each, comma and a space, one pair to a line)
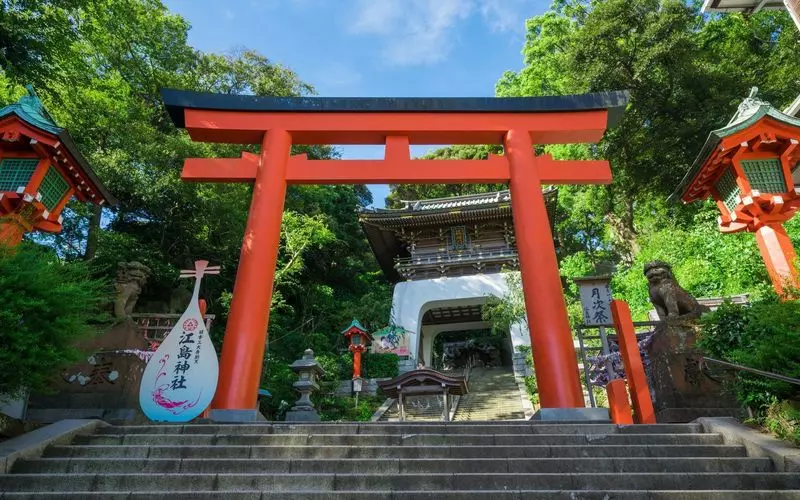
423, 31
415, 31
505, 15
229, 15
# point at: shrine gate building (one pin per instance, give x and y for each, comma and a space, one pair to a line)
448, 257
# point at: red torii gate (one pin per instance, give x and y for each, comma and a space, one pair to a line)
277, 123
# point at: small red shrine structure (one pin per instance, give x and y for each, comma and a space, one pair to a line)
41, 169
750, 168
277, 123
359, 341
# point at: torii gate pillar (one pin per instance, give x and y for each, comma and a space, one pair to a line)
551, 336
278, 123
246, 332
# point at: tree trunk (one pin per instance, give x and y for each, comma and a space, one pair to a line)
624, 232
94, 228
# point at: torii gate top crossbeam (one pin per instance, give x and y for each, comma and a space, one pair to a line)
242, 119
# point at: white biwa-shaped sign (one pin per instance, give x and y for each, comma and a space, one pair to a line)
181, 377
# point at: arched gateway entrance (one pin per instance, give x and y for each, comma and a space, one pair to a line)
277, 123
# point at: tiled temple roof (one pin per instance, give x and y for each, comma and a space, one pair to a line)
470, 200
381, 225
29, 109
749, 112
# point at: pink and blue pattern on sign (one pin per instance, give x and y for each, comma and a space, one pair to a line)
180, 379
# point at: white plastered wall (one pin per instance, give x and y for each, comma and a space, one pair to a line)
412, 299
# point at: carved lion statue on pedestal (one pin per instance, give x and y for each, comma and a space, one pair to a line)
669, 298
131, 277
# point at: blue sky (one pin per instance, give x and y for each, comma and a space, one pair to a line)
373, 48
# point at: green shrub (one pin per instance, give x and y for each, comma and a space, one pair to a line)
530, 381
379, 365
382, 365
705, 262
765, 336
343, 408
783, 420
46, 307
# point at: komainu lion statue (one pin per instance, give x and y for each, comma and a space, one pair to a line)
670, 300
131, 277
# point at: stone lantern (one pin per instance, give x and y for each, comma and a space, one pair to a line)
750, 168
359, 340
309, 372
41, 169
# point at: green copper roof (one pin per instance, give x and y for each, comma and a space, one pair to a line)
30, 109
750, 111
355, 324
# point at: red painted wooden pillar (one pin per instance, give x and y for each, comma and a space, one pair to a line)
246, 333
618, 406
632, 359
551, 338
357, 364
12, 228
779, 256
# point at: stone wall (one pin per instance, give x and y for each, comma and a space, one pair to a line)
105, 384
521, 368
368, 386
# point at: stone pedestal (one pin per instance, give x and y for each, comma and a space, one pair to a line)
302, 415
681, 390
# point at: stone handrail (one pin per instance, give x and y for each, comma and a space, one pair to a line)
775, 376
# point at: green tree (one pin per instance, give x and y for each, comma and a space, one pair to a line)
405, 192
102, 83
685, 74
46, 307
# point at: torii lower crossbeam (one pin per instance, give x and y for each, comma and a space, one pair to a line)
278, 123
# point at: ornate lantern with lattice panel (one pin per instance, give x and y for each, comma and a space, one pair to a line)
40, 171
750, 168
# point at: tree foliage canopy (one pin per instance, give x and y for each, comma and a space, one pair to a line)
686, 74
98, 66
46, 306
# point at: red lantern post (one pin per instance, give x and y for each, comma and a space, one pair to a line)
750, 168
359, 340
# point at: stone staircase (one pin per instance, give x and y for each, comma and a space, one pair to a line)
493, 395
519, 460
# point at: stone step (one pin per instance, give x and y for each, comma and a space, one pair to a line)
389, 466
493, 396
377, 452
398, 439
286, 483
418, 495
523, 427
